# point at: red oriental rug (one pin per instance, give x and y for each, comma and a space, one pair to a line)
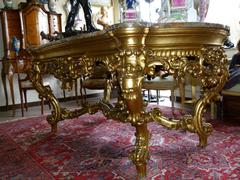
92, 147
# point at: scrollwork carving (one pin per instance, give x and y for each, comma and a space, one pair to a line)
132, 51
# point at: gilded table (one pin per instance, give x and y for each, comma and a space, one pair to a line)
131, 50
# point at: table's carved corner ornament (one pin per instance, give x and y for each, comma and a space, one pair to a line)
214, 68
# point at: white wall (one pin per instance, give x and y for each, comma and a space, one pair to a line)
226, 12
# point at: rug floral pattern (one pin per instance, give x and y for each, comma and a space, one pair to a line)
92, 147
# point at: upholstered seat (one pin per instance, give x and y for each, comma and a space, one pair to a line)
94, 83
230, 106
101, 79
234, 91
158, 83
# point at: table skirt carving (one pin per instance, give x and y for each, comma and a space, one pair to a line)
130, 51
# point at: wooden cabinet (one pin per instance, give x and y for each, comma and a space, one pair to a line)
34, 20
11, 26
26, 24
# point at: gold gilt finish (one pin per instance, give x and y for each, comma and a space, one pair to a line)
130, 51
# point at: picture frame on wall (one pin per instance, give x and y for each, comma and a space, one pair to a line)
178, 4
107, 3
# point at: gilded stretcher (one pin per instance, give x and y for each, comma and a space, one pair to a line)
130, 51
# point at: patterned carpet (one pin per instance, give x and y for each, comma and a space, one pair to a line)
92, 147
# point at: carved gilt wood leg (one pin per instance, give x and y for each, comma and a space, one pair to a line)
3, 74
214, 73
209, 66
130, 80
46, 92
141, 153
10, 79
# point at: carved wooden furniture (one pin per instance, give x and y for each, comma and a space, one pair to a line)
10, 21
26, 85
98, 80
130, 51
23, 66
34, 19
25, 24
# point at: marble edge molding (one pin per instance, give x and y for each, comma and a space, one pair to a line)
131, 24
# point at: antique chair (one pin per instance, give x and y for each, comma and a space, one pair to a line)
23, 66
192, 83
230, 103
76, 92
101, 79
159, 83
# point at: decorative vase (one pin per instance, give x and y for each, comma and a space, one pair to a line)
16, 45
8, 4
52, 5
131, 12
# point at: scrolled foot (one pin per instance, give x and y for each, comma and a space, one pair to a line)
202, 141
139, 158
54, 128
140, 154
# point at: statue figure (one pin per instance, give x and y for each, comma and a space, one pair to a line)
73, 13
52, 5
103, 19
130, 4
16, 45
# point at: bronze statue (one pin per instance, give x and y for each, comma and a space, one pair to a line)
73, 13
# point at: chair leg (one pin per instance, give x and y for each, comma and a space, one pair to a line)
76, 91
42, 105
182, 95
213, 110
10, 79
157, 97
149, 95
81, 92
3, 75
64, 94
49, 105
83, 96
172, 99
25, 97
194, 97
107, 91
22, 103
